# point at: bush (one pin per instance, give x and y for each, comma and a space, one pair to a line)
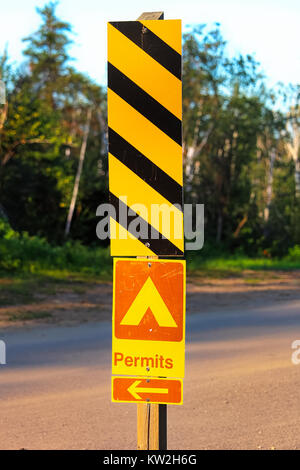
34, 254
294, 253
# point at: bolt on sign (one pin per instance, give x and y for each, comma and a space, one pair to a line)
145, 138
148, 317
141, 390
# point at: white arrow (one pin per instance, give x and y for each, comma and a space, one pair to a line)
134, 389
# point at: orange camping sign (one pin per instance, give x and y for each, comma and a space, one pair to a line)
149, 317
141, 390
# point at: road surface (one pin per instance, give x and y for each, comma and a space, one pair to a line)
241, 389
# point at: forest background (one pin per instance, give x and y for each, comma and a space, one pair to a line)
241, 151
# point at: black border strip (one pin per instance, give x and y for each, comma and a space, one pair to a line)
160, 245
144, 104
145, 168
151, 44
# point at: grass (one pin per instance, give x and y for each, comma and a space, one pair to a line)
16, 290
23, 255
29, 315
30, 265
252, 281
21, 288
234, 266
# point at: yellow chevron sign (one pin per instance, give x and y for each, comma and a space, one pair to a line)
145, 138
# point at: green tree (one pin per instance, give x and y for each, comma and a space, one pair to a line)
227, 116
42, 137
47, 52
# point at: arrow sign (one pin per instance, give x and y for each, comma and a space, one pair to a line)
141, 390
134, 389
149, 297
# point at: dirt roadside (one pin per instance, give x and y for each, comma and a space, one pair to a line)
90, 302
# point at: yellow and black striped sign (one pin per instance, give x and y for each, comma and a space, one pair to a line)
145, 137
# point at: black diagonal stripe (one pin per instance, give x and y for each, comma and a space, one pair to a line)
144, 103
144, 168
155, 241
152, 44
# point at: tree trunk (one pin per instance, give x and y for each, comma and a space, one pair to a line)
294, 146
219, 226
240, 226
103, 127
79, 171
297, 177
269, 186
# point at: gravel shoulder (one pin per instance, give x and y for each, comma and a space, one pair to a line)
77, 303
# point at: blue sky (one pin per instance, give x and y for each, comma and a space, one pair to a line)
268, 29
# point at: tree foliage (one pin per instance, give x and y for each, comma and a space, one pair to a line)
241, 155
40, 141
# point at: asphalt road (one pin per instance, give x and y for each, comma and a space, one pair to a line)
241, 389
